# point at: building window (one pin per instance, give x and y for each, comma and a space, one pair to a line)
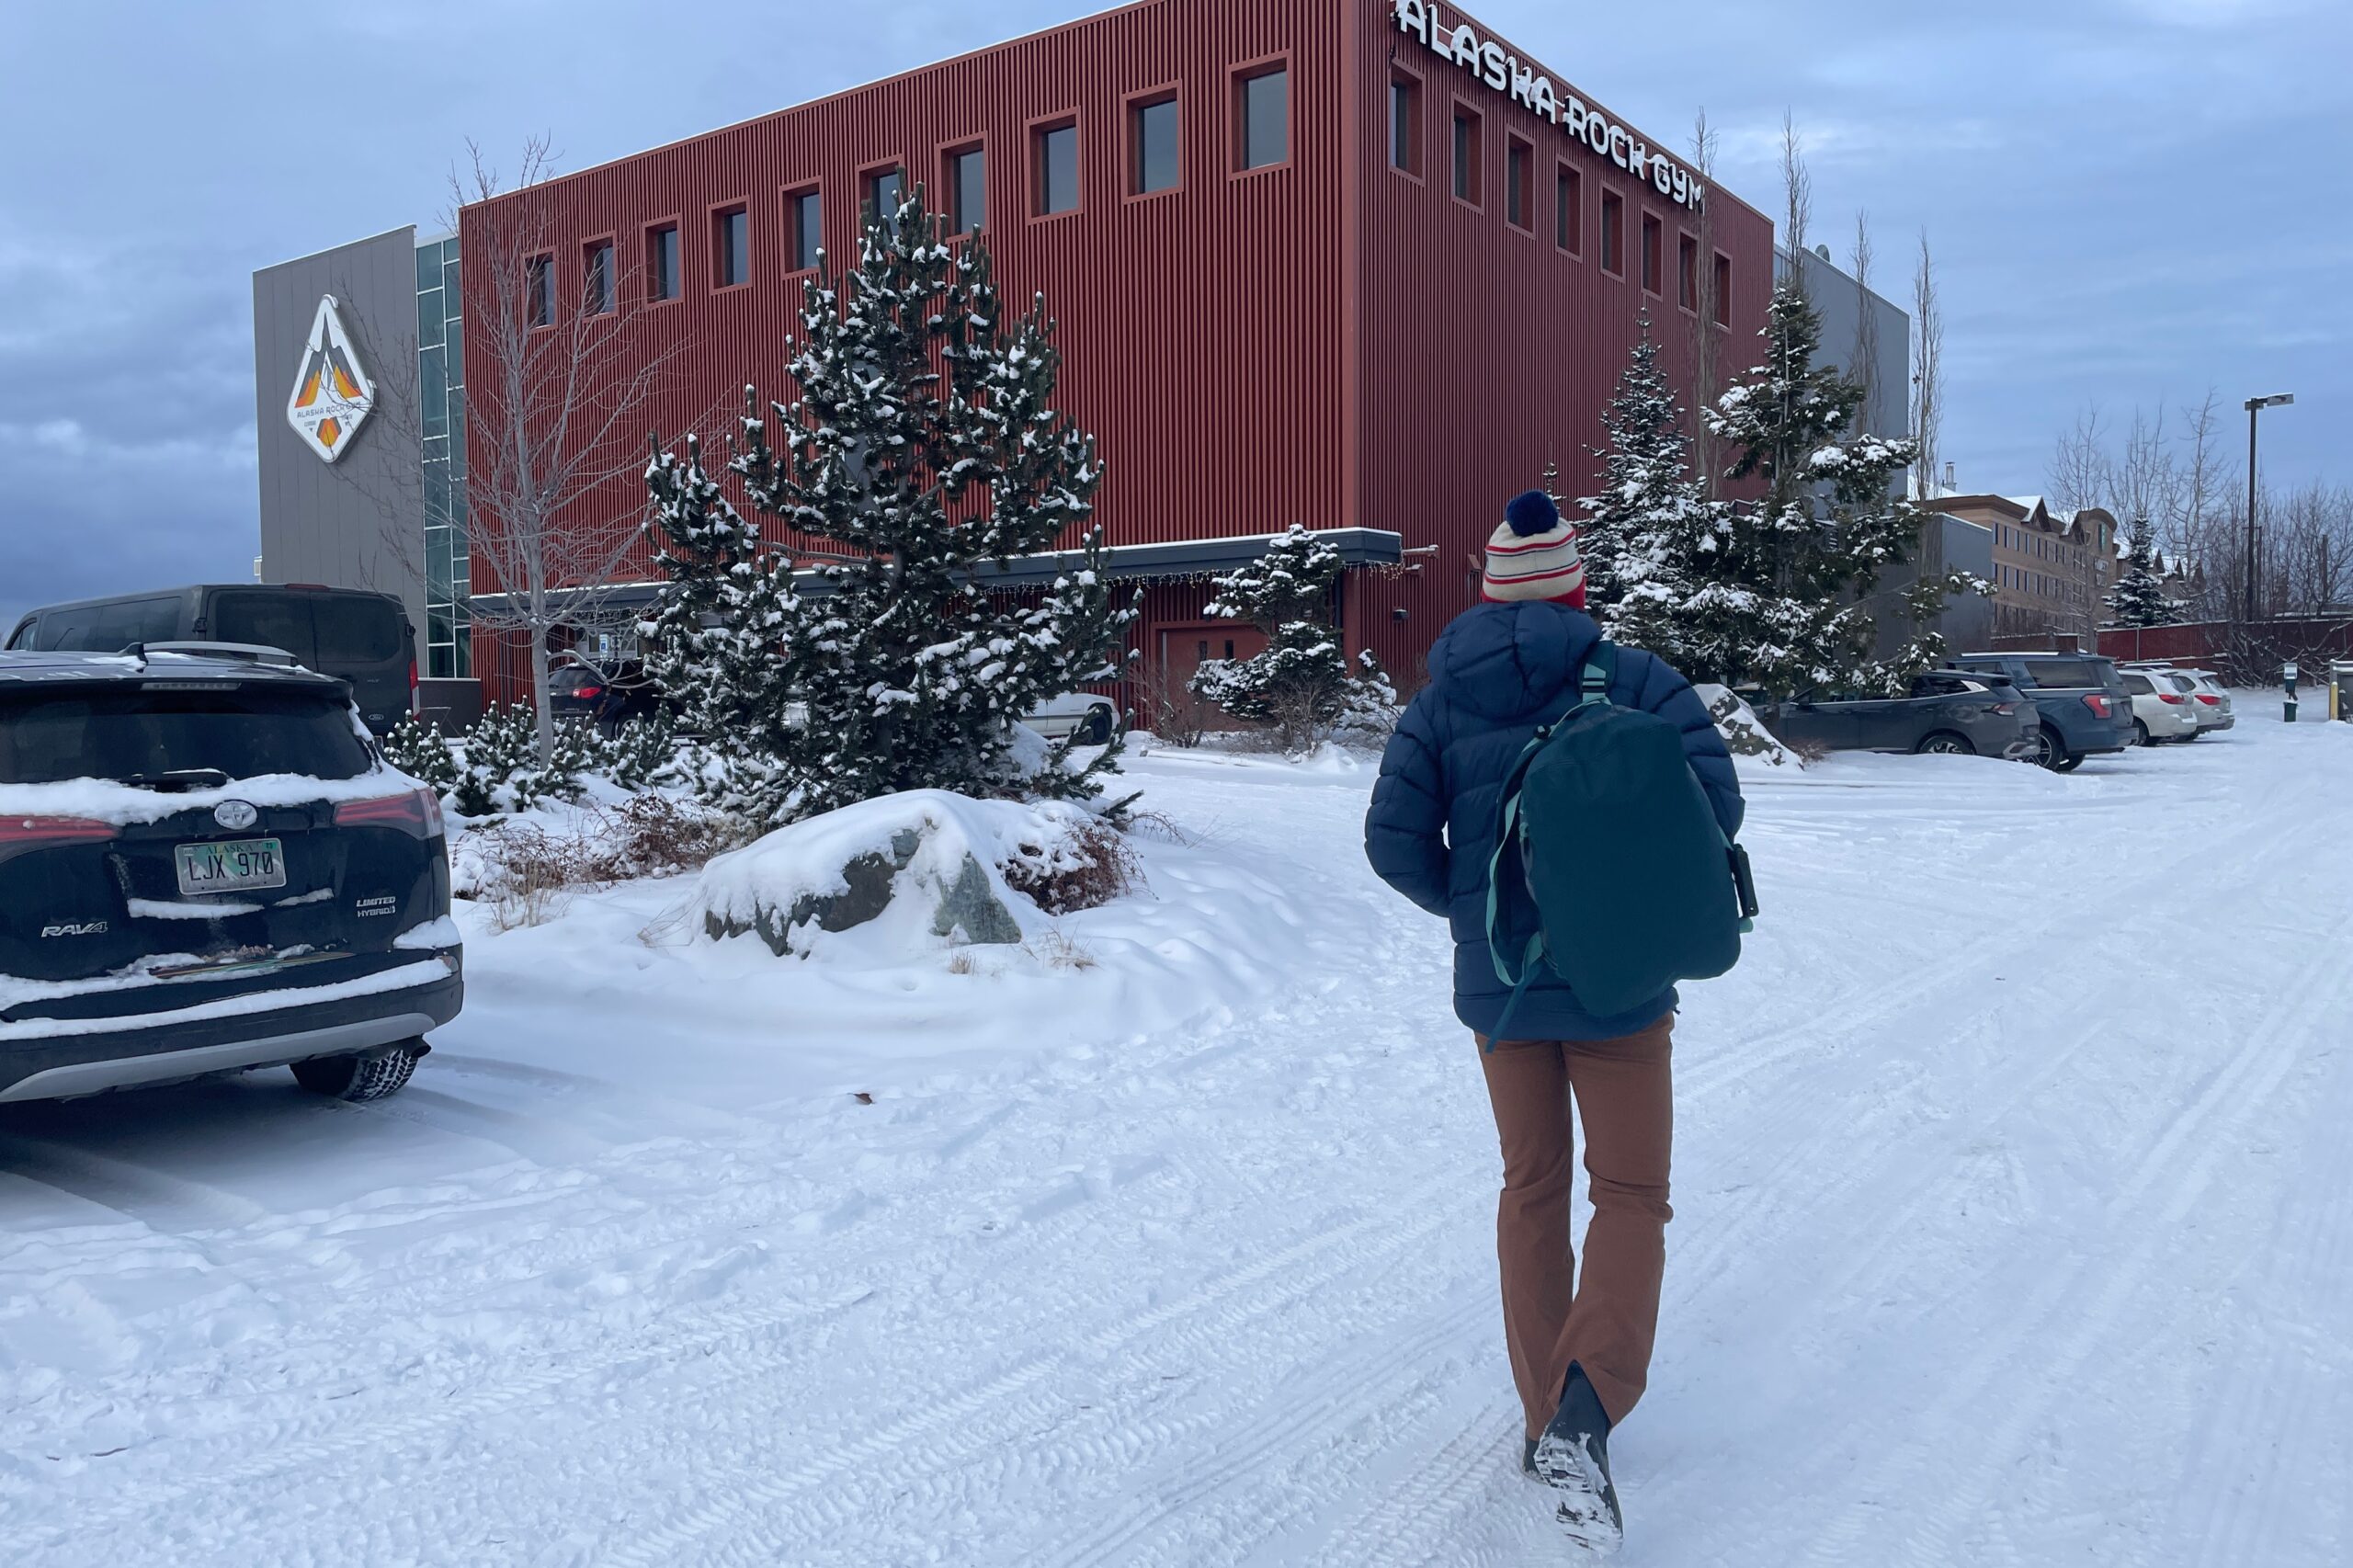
662, 263
1724, 290
804, 215
1613, 233
885, 190
1057, 148
597, 295
968, 195
1466, 155
1687, 272
1152, 131
1653, 255
731, 247
539, 289
1405, 124
1519, 184
1262, 118
1568, 210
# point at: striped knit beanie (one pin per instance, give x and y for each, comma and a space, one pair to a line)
1534, 556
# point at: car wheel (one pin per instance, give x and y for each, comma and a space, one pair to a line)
1097, 730
359, 1078
1944, 742
2048, 752
2141, 733
2069, 763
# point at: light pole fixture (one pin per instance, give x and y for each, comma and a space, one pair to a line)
2256, 405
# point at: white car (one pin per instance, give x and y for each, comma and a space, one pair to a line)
2161, 712
1093, 719
2213, 700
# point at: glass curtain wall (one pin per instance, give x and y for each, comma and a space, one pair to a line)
441, 391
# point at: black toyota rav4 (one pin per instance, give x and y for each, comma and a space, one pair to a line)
206, 866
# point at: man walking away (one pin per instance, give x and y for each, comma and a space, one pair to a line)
1580, 1348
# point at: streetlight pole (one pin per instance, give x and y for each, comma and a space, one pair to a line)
2256, 405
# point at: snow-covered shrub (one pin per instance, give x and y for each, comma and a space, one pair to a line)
641, 754
419, 749
1746, 736
1085, 867
497, 757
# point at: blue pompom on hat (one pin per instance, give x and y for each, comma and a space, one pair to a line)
1533, 514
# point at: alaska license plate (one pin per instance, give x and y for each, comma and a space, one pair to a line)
233, 866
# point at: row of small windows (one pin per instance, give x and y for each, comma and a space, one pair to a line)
1468, 174
1154, 165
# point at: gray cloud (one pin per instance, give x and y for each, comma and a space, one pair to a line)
2129, 198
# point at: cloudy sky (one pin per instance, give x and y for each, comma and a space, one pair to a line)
2131, 201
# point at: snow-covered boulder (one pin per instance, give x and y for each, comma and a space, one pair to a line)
894, 876
1751, 744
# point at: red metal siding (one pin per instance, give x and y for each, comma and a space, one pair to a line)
1486, 351
1323, 343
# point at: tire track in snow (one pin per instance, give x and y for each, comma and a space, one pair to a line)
740, 1495
2057, 1314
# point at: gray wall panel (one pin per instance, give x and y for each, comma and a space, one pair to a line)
358, 522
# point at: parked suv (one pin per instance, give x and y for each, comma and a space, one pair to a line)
2080, 697
362, 638
607, 697
2159, 712
206, 866
1949, 712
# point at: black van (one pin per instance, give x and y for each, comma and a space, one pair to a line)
359, 637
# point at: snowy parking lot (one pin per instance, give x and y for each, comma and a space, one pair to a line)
2014, 1195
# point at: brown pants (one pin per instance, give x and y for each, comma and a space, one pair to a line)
1607, 1320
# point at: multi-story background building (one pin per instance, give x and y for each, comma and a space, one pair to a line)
2052, 571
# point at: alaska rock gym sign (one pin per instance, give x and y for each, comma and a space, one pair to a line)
1537, 92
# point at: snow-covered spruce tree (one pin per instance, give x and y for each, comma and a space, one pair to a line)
1650, 533
1781, 605
1301, 688
2139, 597
716, 642
501, 754
923, 443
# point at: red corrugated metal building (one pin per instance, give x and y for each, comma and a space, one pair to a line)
1421, 293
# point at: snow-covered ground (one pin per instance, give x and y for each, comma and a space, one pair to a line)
2014, 1192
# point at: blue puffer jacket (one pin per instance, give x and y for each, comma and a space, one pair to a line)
1496, 675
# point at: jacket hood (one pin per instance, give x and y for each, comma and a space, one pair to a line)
1513, 661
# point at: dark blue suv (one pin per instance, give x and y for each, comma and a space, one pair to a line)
2086, 710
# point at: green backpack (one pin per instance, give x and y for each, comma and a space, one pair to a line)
1635, 884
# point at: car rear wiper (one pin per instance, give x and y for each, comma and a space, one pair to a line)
180, 780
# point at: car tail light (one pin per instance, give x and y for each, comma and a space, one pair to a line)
2171, 699
416, 812
2006, 709
2098, 704
589, 693
22, 836
2209, 700
412, 683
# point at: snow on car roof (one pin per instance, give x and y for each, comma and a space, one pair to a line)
41, 669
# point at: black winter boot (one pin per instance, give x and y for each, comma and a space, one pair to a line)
1572, 1455
1528, 1457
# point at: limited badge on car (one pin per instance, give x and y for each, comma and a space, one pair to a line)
233, 866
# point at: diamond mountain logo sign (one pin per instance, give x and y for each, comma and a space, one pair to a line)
333, 397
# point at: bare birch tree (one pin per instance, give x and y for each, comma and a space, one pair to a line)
2079, 469
558, 414
1865, 372
1797, 191
1928, 368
